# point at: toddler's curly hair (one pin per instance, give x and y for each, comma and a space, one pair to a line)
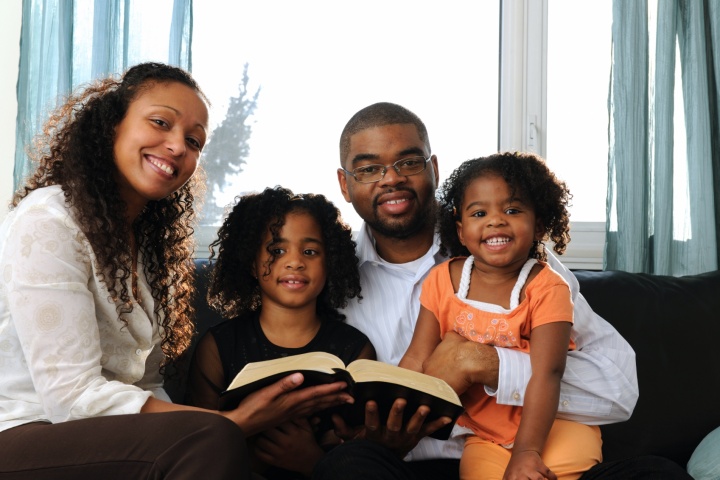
528, 178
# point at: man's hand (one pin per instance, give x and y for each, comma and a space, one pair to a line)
463, 363
393, 435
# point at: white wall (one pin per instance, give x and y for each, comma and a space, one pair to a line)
10, 21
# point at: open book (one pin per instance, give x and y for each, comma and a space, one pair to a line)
366, 379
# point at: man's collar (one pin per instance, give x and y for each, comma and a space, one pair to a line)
366, 251
366, 246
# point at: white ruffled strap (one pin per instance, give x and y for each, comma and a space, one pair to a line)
464, 286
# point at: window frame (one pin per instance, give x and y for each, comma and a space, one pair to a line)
522, 110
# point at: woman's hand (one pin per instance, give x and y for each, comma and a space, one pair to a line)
281, 402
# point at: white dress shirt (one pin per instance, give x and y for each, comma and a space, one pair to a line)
600, 381
64, 354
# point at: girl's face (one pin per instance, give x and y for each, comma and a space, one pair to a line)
298, 274
498, 229
158, 143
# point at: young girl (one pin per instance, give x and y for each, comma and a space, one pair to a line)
286, 263
96, 292
497, 211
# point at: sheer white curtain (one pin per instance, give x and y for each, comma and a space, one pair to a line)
664, 162
66, 43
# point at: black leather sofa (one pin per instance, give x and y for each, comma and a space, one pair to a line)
673, 323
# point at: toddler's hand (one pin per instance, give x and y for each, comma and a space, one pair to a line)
527, 465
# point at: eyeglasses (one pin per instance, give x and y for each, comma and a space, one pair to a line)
404, 167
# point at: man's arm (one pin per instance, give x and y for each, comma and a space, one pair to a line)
600, 381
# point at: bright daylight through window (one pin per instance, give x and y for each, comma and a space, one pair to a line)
314, 64
311, 65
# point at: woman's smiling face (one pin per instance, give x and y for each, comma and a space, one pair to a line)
158, 143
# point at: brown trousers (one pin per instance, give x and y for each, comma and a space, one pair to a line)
175, 445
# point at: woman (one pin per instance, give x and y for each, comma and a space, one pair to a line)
96, 293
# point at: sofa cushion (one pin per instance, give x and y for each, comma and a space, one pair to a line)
673, 324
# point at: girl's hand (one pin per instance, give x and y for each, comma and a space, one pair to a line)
280, 402
291, 446
527, 465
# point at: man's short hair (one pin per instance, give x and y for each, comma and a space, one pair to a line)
378, 115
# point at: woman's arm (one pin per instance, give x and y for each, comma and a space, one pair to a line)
264, 409
272, 405
61, 312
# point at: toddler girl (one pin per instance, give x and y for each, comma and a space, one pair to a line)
495, 212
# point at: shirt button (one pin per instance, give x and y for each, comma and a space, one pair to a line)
516, 396
138, 352
565, 403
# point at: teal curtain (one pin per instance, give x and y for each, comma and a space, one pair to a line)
66, 43
663, 204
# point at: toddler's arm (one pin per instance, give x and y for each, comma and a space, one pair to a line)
425, 338
548, 353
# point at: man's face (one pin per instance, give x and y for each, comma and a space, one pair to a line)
396, 206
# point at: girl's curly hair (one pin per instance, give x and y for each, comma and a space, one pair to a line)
528, 178
75, 151
233, 288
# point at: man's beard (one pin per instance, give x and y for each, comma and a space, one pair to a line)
404, 228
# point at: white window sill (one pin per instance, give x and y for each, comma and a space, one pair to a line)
584, 252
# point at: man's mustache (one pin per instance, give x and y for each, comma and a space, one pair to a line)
376, 199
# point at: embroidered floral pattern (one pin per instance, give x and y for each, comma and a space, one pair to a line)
497, 332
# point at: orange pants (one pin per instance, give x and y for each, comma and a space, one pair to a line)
571, 449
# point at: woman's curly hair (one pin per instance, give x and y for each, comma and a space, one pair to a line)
76, 151
233, 289
528, 178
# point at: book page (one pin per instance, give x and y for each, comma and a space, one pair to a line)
317, 361
374, 371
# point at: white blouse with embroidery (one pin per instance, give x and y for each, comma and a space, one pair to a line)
64, 354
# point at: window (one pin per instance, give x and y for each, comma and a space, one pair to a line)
578, 76
577, 93
316, 63
552, 79
480, 74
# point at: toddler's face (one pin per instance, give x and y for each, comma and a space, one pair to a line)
496, 227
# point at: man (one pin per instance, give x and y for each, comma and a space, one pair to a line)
397, 247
